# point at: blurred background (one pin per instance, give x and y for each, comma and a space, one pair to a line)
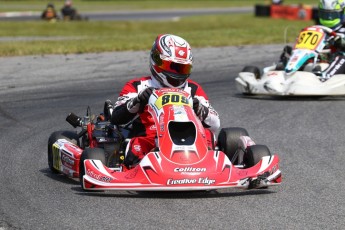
31, 27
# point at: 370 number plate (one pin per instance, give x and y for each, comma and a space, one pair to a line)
309, 39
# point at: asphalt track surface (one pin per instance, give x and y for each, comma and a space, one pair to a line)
37, 92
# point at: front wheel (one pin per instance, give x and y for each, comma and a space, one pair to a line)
228, 140
253, 69
66, 135
89, 153
254, 154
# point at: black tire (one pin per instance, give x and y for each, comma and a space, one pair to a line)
252, 69
67, 135
90, 153
228, 140
254, 154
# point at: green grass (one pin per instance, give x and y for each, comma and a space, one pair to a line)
32, 37
200, 31
113, 5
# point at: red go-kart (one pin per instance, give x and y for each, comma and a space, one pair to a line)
181, 161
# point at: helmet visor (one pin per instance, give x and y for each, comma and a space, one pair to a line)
330, 14
170, 66
176, 68
181, 69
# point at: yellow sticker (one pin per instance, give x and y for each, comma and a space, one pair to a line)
309, 39
56, 156
171, 99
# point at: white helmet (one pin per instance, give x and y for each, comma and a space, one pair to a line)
171, 60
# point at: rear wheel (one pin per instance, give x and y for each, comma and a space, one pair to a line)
90, 153
66, 135
228, 139
254, 154
252, 69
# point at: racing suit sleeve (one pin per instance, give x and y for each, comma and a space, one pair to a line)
212, 120
121, 113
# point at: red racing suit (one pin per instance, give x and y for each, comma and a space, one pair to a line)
144, 131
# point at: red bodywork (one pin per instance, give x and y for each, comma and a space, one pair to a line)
183, 161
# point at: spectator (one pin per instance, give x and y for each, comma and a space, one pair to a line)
68, 12
49, 13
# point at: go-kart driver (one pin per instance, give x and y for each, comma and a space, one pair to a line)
170, 64
331, 14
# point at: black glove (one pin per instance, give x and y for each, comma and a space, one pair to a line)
200, 110
339, 42
144, 95
284, 57
108, 109
138, 103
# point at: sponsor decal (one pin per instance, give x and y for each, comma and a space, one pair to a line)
72, 147
161, 127
161, 122
172, 90
56, 156
242, 172
137, 148
201, 180
184, 148
152, 127
274, 169
337, 67
181, 53
67, 159
190, 169
271, 74
97, 176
